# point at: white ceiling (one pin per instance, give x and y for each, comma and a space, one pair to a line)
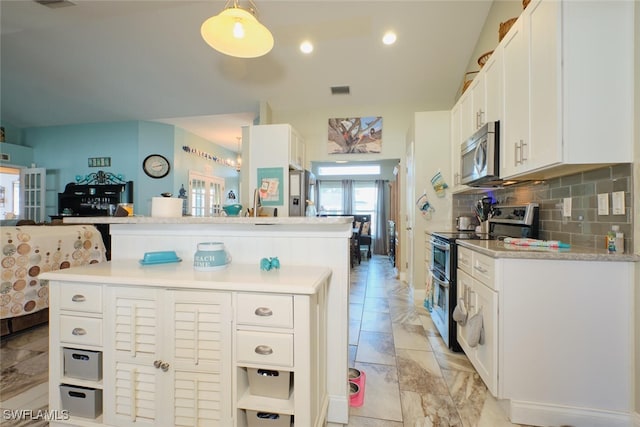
115, 60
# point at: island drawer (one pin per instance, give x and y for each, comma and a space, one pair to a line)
81, 297
265, 310
81, 330
264, 348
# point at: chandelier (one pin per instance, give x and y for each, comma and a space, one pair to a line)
237, 32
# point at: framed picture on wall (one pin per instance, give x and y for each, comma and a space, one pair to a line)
355, 135
270, 186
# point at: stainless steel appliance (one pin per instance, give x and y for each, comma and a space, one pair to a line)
300, 187
506, 221
465, 223
480, 157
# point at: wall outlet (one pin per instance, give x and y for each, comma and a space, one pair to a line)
603, 204
617, 199
566, 207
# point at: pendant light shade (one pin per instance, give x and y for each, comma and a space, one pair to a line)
237, 32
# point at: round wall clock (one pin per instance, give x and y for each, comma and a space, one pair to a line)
156, 166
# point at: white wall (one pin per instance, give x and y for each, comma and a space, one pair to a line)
313, 126
500, 11
432, 154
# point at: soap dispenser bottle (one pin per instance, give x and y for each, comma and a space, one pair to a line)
611, 239
619, 239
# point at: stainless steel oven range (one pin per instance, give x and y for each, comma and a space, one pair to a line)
505, 221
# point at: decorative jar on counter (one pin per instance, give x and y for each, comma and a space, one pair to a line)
211, 256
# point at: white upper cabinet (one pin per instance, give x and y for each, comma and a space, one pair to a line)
578, 110
493, 88
514, 150
560, 110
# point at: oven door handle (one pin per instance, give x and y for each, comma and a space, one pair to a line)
441, 246
444, 283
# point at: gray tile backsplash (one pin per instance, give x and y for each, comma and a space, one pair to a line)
585, 227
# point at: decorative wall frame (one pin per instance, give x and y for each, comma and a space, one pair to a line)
355, 135
270, 186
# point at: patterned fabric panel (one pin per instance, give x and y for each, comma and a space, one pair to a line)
28, 251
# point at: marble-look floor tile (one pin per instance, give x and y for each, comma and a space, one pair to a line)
355, 421
428, 410
403, 313
352, 354
408, 336
375, 321
376, 347
23, 375
454, 361
468, 393
382, 396
34, 339
376, 304
354, 332
419, 371
376, 292
427, 324
492, 415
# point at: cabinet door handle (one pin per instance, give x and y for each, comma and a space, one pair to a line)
522, 150
78, 298
164, 366
517, 150
78, 332
263, 312
263, 350
157, 363
469, 305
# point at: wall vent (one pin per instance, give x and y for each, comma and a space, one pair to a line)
54, 4
340, 90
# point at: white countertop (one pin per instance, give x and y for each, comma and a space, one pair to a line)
498, 249
261, 220
304, 280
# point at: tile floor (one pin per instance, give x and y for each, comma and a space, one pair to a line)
412, 380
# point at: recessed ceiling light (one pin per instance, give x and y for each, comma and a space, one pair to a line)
306, 47
389, 38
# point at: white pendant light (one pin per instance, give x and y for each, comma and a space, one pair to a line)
237, 32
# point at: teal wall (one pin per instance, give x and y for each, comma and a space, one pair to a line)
65, 150
19, 155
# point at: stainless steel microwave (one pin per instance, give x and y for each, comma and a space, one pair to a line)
480, 157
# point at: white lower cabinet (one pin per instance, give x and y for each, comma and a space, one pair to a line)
548, 325
169, 365
476, 291
160, 356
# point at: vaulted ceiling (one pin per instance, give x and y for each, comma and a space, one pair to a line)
114, 60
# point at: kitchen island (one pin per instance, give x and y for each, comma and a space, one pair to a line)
296, 241
558, 330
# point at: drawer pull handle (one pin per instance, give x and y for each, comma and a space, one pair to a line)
263, 312
480, 269
264, 350
164, 366
78, 331
78, 298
